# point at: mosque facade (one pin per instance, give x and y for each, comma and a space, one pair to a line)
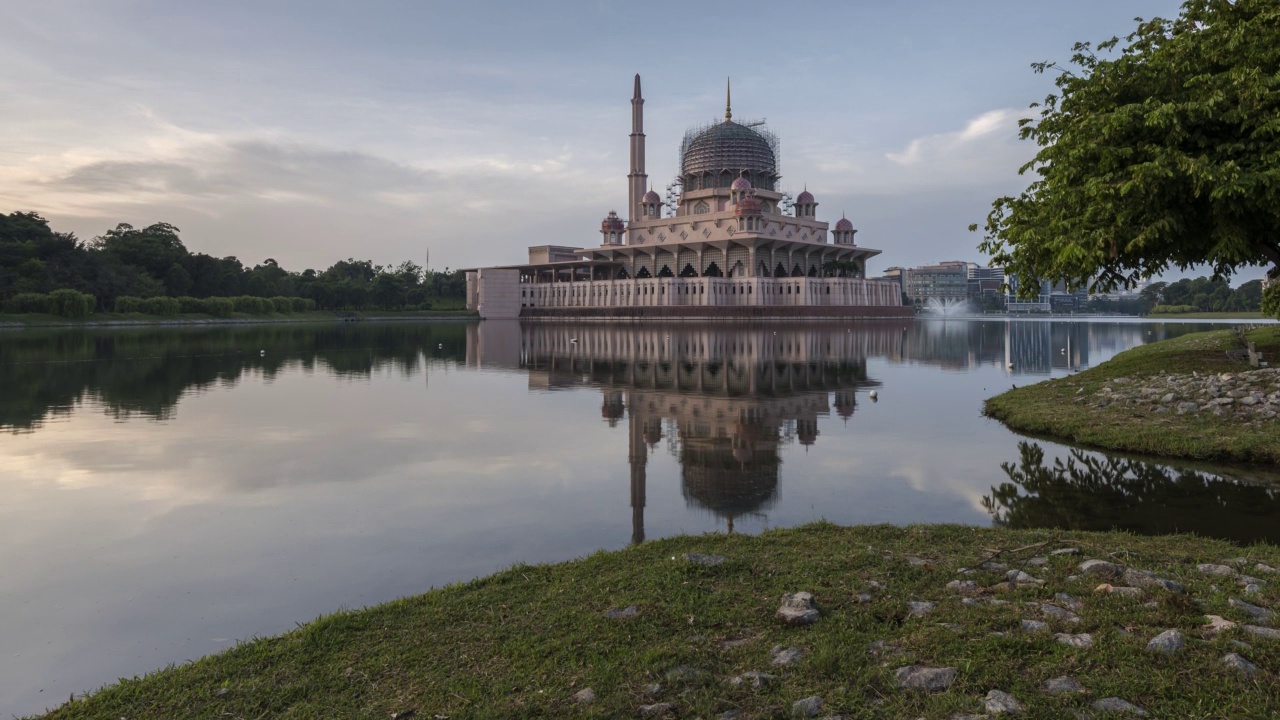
728, 243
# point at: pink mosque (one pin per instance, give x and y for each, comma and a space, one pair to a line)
728, 244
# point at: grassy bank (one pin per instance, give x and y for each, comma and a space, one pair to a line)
1065, 408
111, 319
529, 641
1209, 316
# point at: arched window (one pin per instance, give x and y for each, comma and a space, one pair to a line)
702, 208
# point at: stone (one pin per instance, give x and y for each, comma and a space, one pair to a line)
875, 585
864, 598
1217, 624
1062, 685
919, 609
705, 560
1000, 702
751, 679
1054, 612
1116, 705
1034, 626
1257, 613
683, 674
1213, 569
1269, 633
1252, 589
1017, 576
917, 562
964, 587
1101, 567
1038, 561
807, 708
1266, 569
1236, 661
626, 612
585, 696
1246, 580
1069, 600
652, 690
1121, 590
1082, 640
1066, 551
785, 656
656, 709
730, 715
1167, 642
1150, 581
918, 677
798, 609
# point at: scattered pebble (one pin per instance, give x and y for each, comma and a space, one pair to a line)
1038, 561
1069, 600
964, 587
1017, 576
1217, 624
917, 562
1054, 612
1237, 662
1061, 685
918, 677
1212, 569
1266, 569
1035, 626
683, 674
1149, 580
798, 609
626, 612
808, 707
1269, 633
1082, 640
1257, 613
656, 709
785, 656
1116, 705
864, 598
1252, 589
999, 702
1101, 567
1167, 642
707, 560
751, 679
652, 690
585, 696
1066, 551
919, 609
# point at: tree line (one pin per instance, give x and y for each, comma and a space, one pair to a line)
150, 270
1202, 295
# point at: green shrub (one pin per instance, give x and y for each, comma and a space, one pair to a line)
160, 306
1271, 300
27, 303
128, 304
302, 304
282, 304
253, 305
188, 304
1173, 309
218, 306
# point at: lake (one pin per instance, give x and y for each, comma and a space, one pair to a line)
169, 491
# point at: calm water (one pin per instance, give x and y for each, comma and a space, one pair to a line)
167, 492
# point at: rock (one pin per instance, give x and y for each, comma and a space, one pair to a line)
683, 674
1252, 589
1066, 551
1266, 569
1061, 685
1168, 398
785, 656
918, 677
1246, 580
964, 587
1034, 626
798, 609
1101, 567
1237, 662
751, 679
585, 696
1269, 633
863, 598
999, 702
877, 587
656, 709
807, 708
1082, 640
1257, 613
1122, 590
730, 715
1038, 561
626, 612
919, 609
1151, 581
1217, 624
652, 690
1068, 600
994, 566
706, 560
917, 562
1054, 612
1212, 569
1116, 705
1167, 642
1017, 576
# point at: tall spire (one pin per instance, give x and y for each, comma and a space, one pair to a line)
728, 113
636, 95
637, 180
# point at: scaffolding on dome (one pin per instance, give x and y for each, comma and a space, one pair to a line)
731, 151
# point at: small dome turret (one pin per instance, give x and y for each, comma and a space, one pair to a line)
843, 225
804, 198
741, 184
613, 229
651, 197
806, 206
844, 232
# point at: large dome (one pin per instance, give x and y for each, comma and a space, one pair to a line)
727, 147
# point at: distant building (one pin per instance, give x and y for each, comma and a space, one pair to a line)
944, 282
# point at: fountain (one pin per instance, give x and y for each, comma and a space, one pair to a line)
947, 307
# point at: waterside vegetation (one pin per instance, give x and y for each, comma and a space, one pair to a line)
1190, 397
689, 627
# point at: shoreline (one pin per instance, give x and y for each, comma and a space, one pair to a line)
1192, 397
924, 620
460, 316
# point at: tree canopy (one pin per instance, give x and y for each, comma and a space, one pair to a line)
1163, 153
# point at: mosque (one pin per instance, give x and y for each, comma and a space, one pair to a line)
728, 243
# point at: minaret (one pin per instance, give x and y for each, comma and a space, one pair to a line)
637, 458
728, 112
637, 180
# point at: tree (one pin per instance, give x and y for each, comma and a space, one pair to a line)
1167, 153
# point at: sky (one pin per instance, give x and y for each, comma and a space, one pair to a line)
461, 133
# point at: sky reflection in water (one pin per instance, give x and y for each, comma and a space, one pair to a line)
167, 491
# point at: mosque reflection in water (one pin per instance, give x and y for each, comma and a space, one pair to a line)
724, 401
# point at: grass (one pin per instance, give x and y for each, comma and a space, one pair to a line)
107, 319
520, 643
1048, 408
1235, 315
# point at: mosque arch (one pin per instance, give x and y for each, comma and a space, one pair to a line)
702, 208
713, 270
687, 271
737, 269
796, 271
622, 274
643, 274
780, 271
666, 272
